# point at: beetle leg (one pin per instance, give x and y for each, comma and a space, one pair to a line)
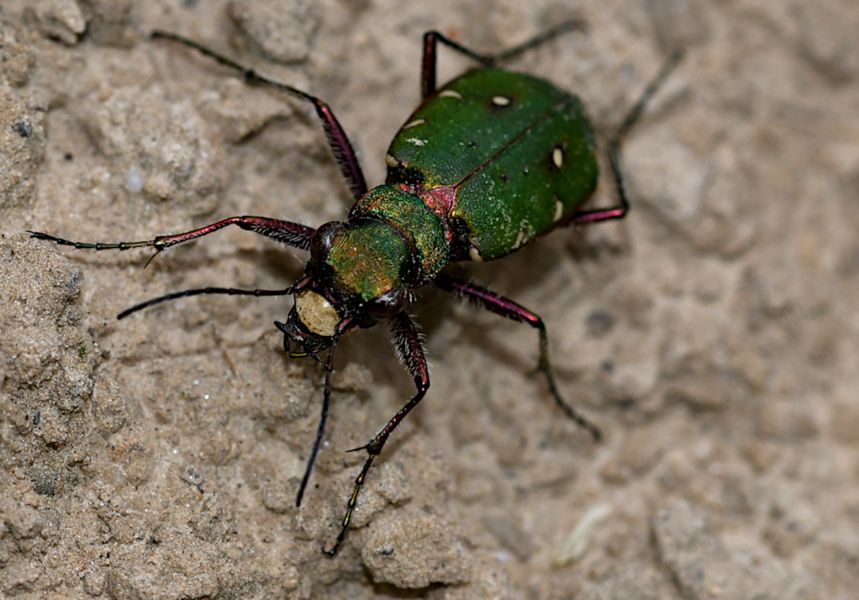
338, 141
409, 348
508, 308
292, 234
431, 38
632, 116
428, 64
541, 38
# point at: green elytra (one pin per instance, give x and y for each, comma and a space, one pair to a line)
485, 164
518, 153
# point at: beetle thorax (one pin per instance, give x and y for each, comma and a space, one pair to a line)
366, 261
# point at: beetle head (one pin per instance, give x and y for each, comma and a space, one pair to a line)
327, 300
314, 321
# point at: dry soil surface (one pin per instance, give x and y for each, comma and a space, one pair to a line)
712, 334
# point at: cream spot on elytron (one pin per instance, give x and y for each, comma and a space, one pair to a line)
316, 313
519, 239
414, 123
450, 94
501, 101
474, 253
558, 157
559, 210
416, 141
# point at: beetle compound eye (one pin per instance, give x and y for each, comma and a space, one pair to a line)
316, 313
322, 239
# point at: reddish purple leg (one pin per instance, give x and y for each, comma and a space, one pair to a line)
286, 232
511, 310
597, 215
292, 234
431, 38
338, 141
409, 348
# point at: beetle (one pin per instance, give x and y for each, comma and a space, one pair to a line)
485, 164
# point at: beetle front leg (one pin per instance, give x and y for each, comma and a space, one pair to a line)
286, 232
409, 348
507, 308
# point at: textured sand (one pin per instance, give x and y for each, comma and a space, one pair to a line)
712, 334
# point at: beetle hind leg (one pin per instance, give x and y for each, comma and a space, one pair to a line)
507, 308
632, 116
433, 38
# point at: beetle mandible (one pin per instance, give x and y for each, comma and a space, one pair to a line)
484, 165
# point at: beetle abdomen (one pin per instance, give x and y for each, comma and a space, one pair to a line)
541, 178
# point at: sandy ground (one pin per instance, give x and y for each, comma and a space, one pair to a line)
712, 334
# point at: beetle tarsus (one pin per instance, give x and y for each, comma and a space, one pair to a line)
433, 38
597, 215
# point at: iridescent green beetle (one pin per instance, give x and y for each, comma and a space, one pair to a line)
485, 164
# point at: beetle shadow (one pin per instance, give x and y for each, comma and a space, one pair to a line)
280, 264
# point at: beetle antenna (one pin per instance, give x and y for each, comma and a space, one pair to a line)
320, 430
199, 292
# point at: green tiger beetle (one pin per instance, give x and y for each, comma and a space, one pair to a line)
485, 164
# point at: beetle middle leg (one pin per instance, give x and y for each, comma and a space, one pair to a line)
409, 348
338, 141
508, 308
287, 232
